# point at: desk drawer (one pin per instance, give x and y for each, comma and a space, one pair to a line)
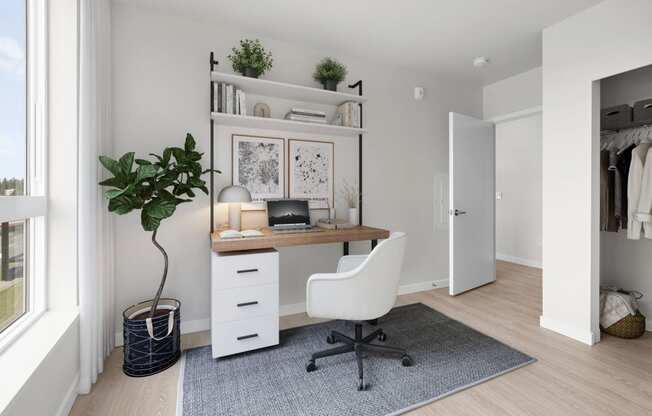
231, 270
244, 303
239, 336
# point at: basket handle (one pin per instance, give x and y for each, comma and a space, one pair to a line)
150, 327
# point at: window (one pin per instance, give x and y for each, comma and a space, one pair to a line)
22, 191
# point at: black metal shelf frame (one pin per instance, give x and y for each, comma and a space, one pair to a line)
357, 85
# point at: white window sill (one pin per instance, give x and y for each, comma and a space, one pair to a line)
20, 359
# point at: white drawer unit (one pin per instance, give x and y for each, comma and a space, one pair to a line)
239, 336
244, 301
239, 269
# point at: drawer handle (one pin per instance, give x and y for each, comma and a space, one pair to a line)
247, 337
247, 271
255, 302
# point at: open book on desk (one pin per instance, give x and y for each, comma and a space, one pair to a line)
228, 234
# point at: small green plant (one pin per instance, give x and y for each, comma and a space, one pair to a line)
329, 69
251, 55
155, 188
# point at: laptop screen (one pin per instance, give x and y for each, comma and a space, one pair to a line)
288, 211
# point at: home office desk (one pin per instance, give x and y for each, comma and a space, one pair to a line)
245, 284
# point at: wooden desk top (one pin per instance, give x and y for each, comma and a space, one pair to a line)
271, 240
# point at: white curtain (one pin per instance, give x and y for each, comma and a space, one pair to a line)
96, 282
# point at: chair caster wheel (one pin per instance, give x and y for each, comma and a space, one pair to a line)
362, 386
406, 361
382, 337
311, 366
330, 339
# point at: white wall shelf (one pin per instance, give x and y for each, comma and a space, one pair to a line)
276, 89
281, 124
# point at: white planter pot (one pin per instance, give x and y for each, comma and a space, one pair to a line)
353, 216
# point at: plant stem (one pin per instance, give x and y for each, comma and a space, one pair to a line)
165, 275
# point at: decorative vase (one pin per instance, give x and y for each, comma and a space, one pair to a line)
330, 85
154, 347
250, 72
353, 216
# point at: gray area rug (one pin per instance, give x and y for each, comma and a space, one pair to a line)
449, 357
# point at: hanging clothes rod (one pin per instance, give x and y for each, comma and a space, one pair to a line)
622, 139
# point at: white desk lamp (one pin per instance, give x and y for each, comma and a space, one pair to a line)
234, 195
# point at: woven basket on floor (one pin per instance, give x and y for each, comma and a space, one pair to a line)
631, 326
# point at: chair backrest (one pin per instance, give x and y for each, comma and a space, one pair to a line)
377, 278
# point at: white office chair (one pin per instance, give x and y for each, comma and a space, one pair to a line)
363, 289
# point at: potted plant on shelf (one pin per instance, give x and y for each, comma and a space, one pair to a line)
155, 188
251, 59
330, 73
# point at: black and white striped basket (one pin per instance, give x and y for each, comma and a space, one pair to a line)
151, 345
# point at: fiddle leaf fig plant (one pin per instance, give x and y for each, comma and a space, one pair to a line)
155, 187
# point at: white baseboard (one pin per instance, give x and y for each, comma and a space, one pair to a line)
519, 260
69, 399
586, 337
198, 325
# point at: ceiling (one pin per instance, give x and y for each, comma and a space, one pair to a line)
435, 36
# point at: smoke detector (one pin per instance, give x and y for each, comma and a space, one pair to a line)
481, 61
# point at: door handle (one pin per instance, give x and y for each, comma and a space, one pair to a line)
458, 212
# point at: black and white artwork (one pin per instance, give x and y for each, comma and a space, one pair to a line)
258, 165
311, 172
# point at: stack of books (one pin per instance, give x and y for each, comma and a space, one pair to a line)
229, 99
348, 115
309, 116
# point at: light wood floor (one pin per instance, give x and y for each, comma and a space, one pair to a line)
570, 378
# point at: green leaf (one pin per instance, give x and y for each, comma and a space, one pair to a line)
142, 162
167, 154
114, 193
114, 182
148, 222
120, 205
179, 155
190, 143
145, 172
160, 208
111, 165
196, 182
127, 162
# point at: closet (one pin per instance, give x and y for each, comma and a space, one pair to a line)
626, 184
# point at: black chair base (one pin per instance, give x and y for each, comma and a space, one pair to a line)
359, 345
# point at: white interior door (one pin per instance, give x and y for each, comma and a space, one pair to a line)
472, 235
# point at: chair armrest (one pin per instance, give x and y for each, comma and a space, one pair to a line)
348, 263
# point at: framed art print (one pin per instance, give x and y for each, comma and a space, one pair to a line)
311, 167
258, 165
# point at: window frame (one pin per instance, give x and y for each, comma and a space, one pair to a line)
33, 205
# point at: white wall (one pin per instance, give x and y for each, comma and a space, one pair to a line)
577, 52
626, 263
517, 93
160, 78
514, 104
518, 179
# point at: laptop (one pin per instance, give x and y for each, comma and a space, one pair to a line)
288, 215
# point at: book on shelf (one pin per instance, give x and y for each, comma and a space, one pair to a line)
309, 113
229, 99
307, 119
349, 114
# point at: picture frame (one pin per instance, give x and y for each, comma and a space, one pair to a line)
311, 172
258, 164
